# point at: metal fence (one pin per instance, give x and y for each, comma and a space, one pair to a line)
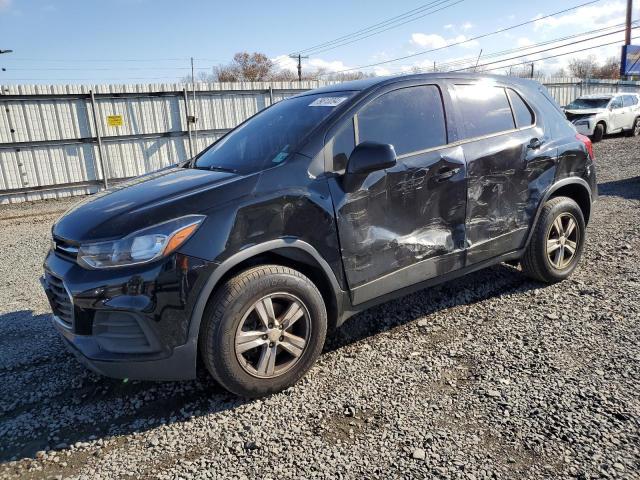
66, 140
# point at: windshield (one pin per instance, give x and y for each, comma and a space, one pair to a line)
588, 103
269, 137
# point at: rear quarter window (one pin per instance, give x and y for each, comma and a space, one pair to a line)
521, 110
485, 109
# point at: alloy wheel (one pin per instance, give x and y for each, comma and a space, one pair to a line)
272, 335
636, 128
562, 241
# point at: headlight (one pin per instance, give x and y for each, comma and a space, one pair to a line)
582, 122
139, 247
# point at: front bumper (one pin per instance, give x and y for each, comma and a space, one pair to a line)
130, 322
180, 365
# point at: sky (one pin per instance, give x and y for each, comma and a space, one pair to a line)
151, 41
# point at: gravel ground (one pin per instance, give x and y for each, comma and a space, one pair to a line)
488, 376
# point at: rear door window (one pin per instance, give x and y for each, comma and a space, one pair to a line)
629, 100
411, 119
485, 109
521, 111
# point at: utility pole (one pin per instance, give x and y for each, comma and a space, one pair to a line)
627, 32
531, 69
195, 107
299, 58
477, 61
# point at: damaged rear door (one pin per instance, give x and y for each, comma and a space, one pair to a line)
405, 224
507, 155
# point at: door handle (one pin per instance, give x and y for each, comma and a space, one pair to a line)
535, 143
445, 173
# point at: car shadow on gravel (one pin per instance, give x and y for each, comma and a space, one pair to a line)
55, 401
491, 282
628, 188
48, 400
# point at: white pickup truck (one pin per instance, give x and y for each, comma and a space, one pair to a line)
602, 114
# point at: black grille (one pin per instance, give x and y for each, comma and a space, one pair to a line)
575, 116
65, 249
59, 299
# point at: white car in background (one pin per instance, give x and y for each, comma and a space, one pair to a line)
602, 114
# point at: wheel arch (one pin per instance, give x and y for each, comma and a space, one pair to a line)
575, 188
291, 253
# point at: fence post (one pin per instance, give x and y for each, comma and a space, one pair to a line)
270, 95
186, 111
103, 165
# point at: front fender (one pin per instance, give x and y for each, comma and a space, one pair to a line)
250, 252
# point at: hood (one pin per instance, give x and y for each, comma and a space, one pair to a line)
145, 201
585, 112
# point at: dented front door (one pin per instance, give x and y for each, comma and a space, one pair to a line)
403, 225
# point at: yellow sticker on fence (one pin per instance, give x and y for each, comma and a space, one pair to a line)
114, 120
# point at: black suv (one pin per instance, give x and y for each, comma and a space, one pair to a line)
316, 208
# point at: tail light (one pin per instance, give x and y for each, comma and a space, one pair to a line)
587, 143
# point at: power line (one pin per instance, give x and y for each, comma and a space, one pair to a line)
315, 52
550, 56
477, 37
536, 45
547, 50
102, 68
101, 60
383, 23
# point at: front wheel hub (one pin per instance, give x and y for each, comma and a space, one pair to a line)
272, 335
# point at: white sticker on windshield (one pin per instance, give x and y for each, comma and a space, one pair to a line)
327, 101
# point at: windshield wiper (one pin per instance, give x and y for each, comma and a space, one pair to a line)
215, 168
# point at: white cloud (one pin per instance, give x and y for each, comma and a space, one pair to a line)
466, 26
448, 26
431, 40
332, 66
467, 43
284, 62
381, 71
592, 16
524, 42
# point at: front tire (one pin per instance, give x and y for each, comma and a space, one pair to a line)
556, 243
598, 133
263, 330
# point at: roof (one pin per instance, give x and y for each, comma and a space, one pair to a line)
366, 83
598, 96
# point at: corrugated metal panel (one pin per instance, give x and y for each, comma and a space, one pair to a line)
60, 118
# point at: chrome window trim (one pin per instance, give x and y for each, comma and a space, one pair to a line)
465, 141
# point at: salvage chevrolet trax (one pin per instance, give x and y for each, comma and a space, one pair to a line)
316, 208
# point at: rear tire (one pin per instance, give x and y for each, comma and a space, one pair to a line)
598, 133
635, 129
556, 243
263, 330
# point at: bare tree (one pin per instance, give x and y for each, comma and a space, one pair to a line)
257, 67
252, 67
610, 69
583, 67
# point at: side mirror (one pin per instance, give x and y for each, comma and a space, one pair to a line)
368, 157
